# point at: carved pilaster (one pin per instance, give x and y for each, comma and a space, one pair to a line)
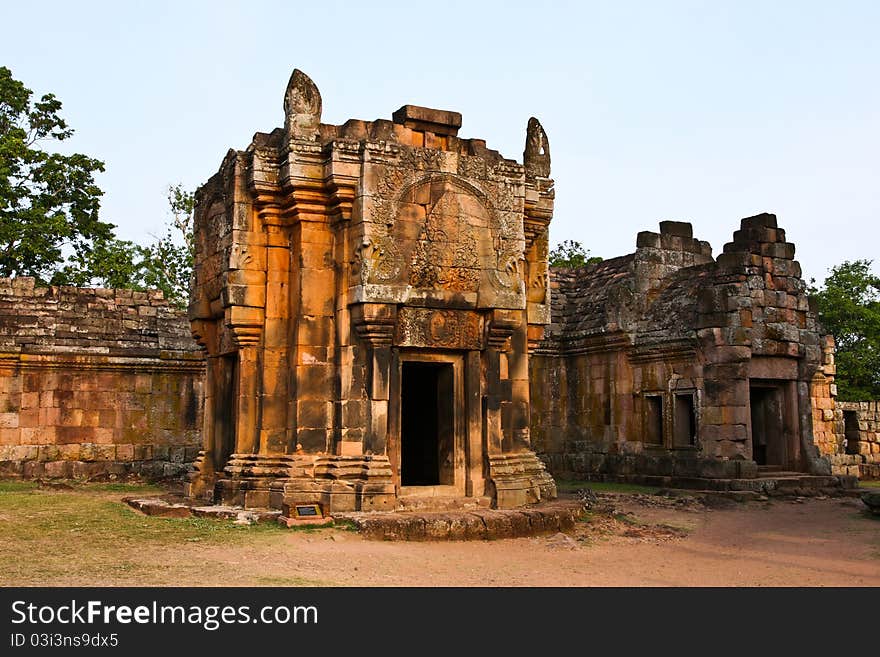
501, 326
374, 324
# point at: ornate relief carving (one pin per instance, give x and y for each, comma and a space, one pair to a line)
538, 274
302, 106
446, 253
536, 156
240, 257
507, 272
377, 260
449, 252
429, 327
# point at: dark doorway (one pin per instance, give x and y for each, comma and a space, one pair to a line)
768, 429
225, 409
685, 430
654, 419
851, 431
427, 424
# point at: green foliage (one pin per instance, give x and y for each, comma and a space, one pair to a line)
167, 263
48, 202
849, 309
571, 254
106, 263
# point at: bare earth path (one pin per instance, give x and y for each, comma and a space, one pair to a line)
56, 538
815, 543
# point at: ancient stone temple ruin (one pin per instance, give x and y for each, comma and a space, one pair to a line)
669, 363
367, 295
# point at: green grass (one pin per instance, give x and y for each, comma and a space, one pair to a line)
870, 483
572, 486
628, 519
114, 487
345, 525
87, 534
16, 486
47, 513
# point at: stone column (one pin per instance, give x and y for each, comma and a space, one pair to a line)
374, 324
313, 335
501, 327
248, 412
275, 365
475, 482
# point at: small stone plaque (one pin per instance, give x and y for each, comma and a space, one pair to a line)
307, 511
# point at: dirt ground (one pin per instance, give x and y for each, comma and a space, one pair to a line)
87, 537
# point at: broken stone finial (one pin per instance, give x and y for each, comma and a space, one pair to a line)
536, 156
302, 106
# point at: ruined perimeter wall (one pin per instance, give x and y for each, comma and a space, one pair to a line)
857, 430
95, 382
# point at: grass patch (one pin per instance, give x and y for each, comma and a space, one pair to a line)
870, 483
572, 486
16, 486
118, 487
627, 519
345, 525
88, 536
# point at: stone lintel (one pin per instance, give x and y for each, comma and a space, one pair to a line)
677, 228
425, 119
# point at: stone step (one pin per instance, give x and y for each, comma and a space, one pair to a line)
156, 506
419, 503
478, 524
778, 474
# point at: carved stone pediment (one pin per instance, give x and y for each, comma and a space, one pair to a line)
439, 328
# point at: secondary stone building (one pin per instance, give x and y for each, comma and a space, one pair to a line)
367, 294
668, 362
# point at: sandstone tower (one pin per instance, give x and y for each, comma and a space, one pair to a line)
367, 295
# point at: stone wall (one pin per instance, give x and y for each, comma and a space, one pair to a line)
667, 362
95, 382
823, 393
857, 429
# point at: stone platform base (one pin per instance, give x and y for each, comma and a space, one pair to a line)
477, 524
777, 484
472, 524
343, 484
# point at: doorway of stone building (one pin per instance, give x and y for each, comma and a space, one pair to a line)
768, 425
427, 424
225, 408
851, 431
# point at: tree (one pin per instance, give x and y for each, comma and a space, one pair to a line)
849, 309
571, 254
49, 202
168, 262
165, 264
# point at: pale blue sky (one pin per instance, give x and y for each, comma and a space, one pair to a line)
698, 111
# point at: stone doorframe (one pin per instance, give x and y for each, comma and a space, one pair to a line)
785, 447
469, 460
